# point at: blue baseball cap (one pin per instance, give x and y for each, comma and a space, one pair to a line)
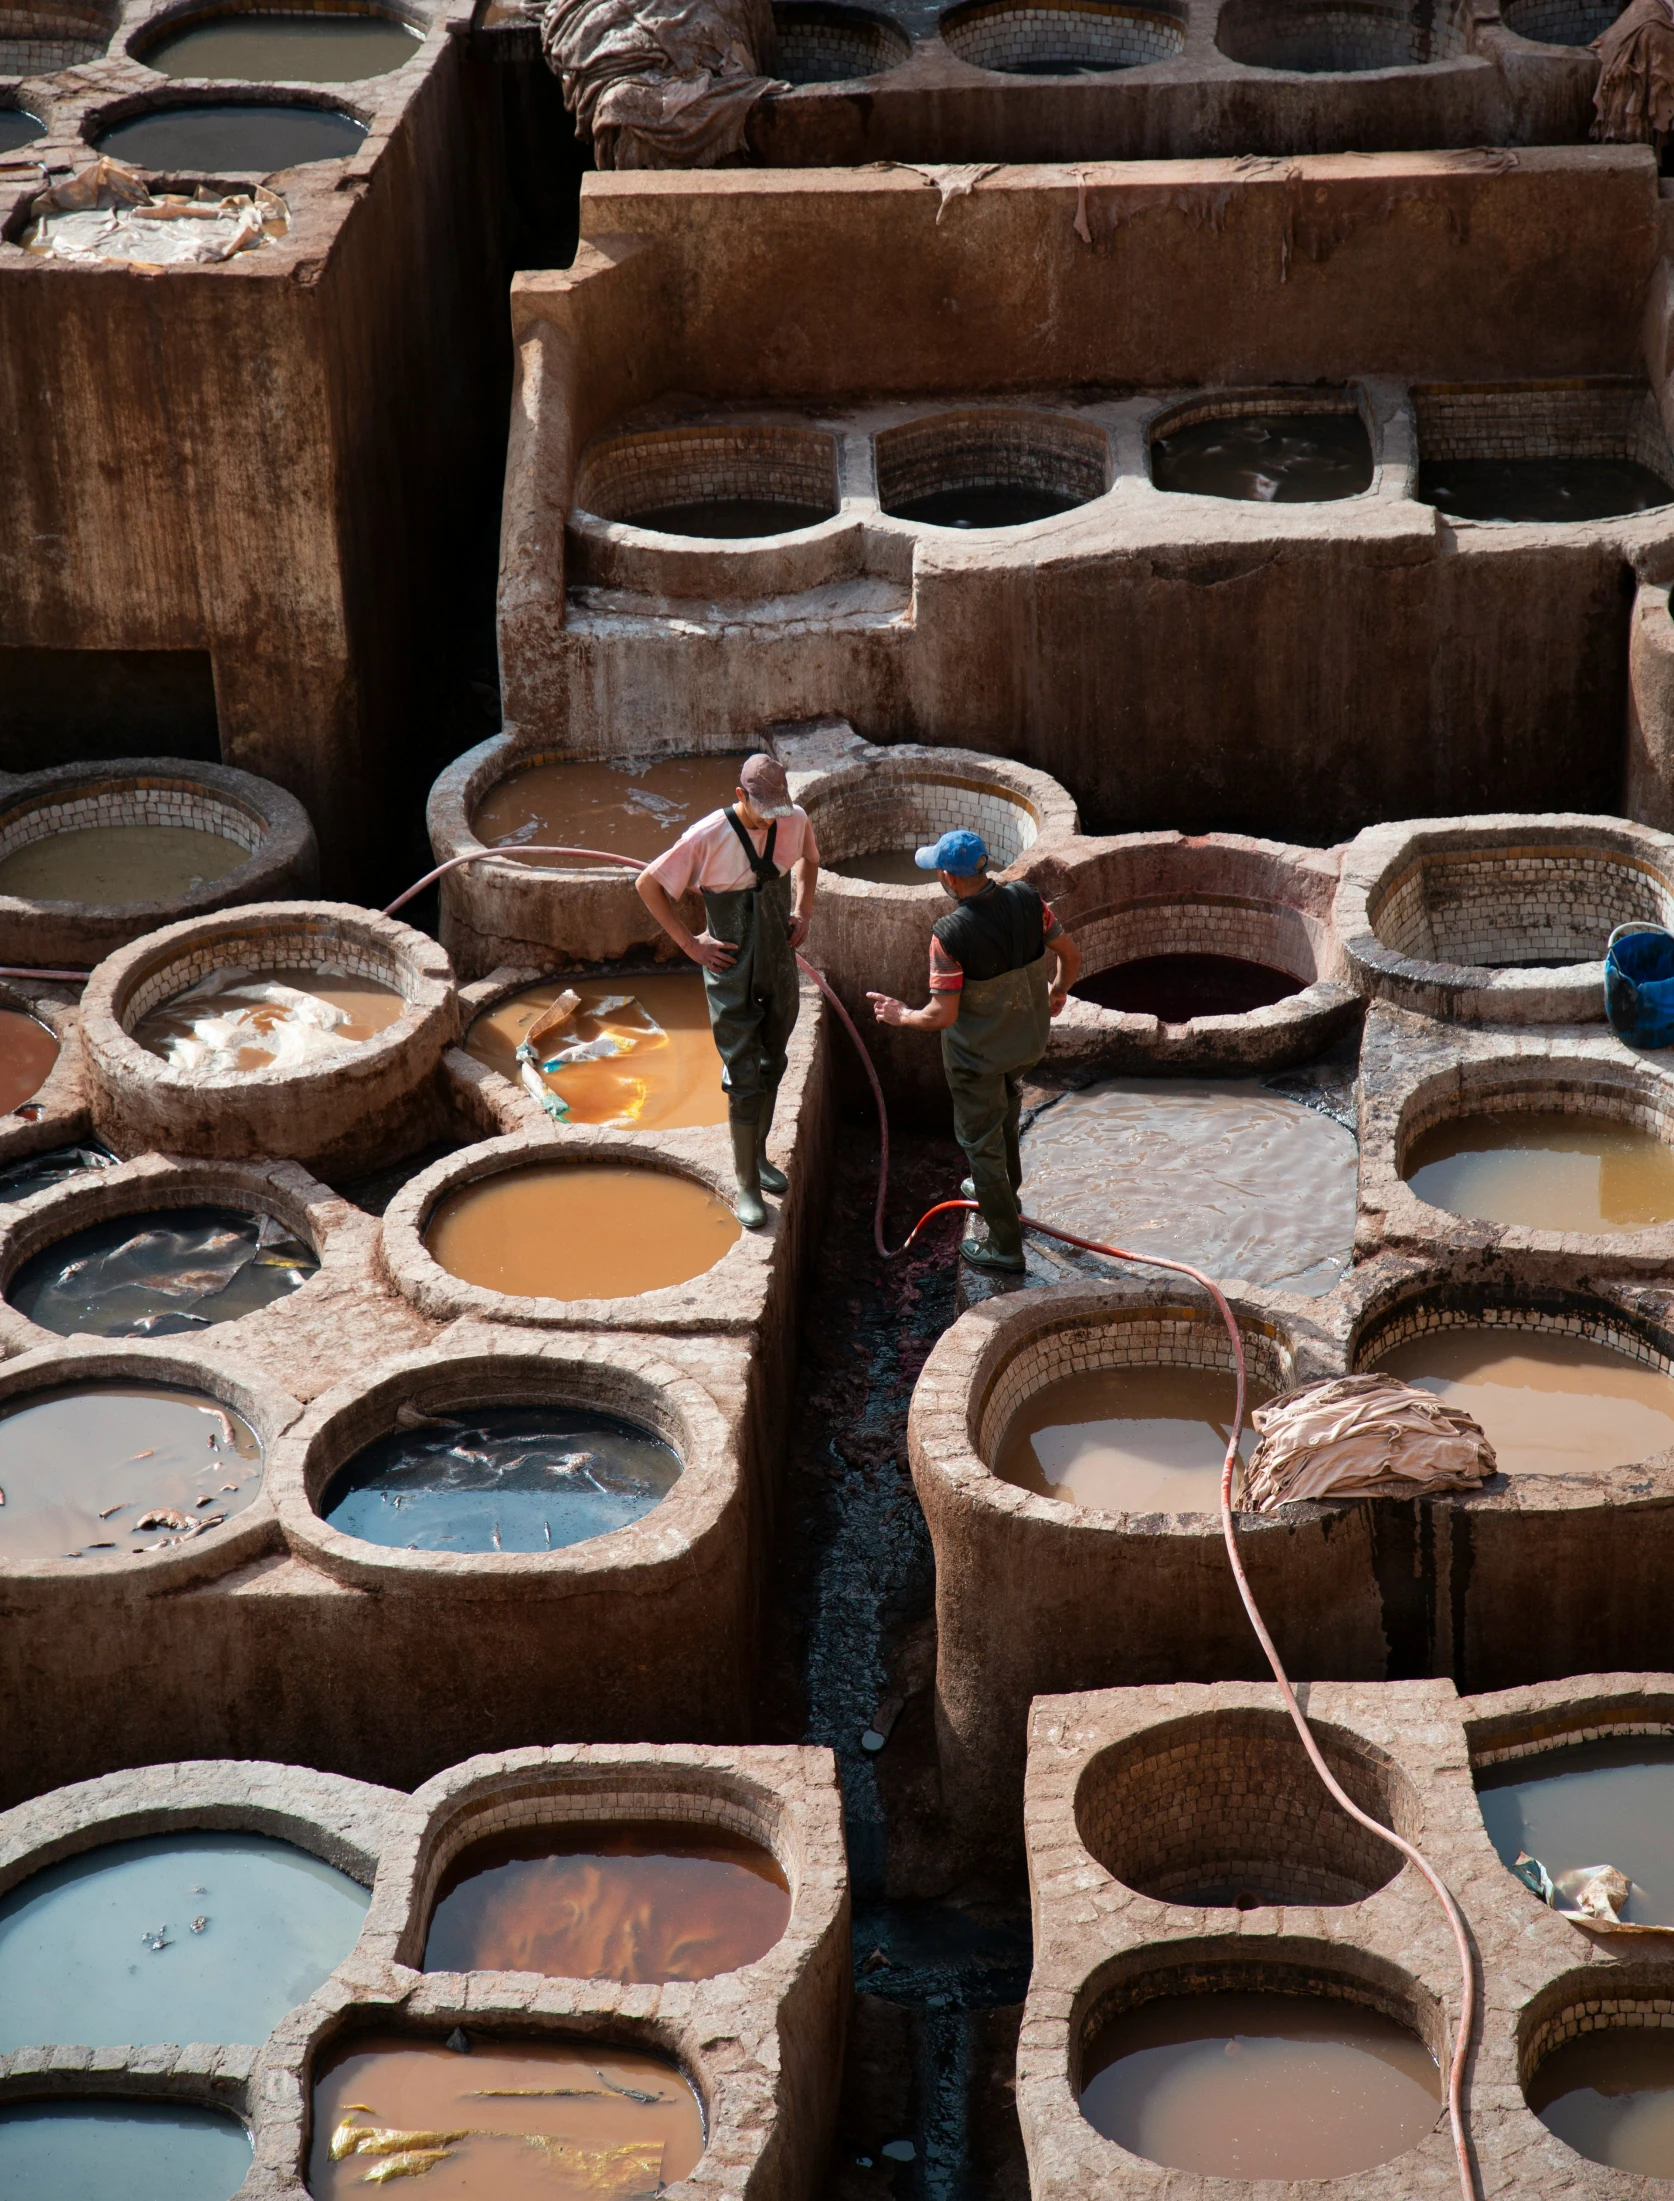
963, 854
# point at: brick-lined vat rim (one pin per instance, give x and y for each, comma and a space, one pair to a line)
607, 1374
969, 1362
153, 1183
953, 424
161, 23
730, 1295
51, 933
1173, 15
1229, 23
1376, 860
1339, 401
70, 1586
355, 103
879, 29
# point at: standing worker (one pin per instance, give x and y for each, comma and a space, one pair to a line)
743, 860
1000, 967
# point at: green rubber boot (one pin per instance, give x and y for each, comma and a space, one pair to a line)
746, 1163
772, 1179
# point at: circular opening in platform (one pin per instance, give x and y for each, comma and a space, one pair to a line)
723, 483
1528, 903
638, 1054
619, 806
1336, 37
1176, 959
636, 1901
1545, 1160
28, 1051
501, 1478
1564, 1809
1602, 2078
17, 125
236, 137
322, 44
587, 2114
871, 825
1272, 2075
1559, 22
106, 1470
824, 44
1283, 448
140, 2149
164, 1273
580, 1230
1223, 1810
989, 469
145, 845
39, 40
1063, 37
193, 1936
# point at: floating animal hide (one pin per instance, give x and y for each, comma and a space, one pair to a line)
1362, 1437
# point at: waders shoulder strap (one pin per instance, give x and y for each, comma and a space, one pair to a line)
763, 866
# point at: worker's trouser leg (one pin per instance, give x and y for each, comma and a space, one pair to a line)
987, 1108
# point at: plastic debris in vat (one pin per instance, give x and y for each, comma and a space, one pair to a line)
1362, 1437
1639, 985
109, 212
534, 1065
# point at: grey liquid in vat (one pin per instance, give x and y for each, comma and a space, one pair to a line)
1610, 2096
1591, 1803
987, 504
502, 1479
1226, 1176
731, 519
1543, 489
161, 1275
142, 2151
40, 1172
18, 127
1266, 458
254, 46
191, 1936
231, 137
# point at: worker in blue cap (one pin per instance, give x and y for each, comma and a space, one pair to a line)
1000, 968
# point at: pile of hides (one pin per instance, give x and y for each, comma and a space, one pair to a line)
661, 83
1633, 102
108, 213
1362, 1437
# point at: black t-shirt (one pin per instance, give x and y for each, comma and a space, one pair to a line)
1004, 928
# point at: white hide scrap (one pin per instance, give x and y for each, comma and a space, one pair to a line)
1362, 1437
108, 213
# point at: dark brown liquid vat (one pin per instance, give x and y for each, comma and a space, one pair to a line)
731, 519
669, 1079
1540, 489
1610, 2096
1266, 458
1260, 2086
254, 46
1588, 1804
104, 1471
1175, 988
581, 1231
623, 809
525, 2122
229, 1022
1544, 1170
996, 504
1549, 1405
631, 1903
27, 1053
105, 864
893, 867
1127, 1440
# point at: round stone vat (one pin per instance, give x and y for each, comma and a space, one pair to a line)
1259, 2069
1064, 38
715, 482
341, 42
1223, 1811
874, 908
1207, 953
1284, 446
312, 1031
1575, 1804
168, 2150
1559, 22
541, 914
1498, 919
94, 855
1036, 1594
1546, 453
1332, 37
243, 136
993, 466
821, 43
36, 41
1600, 2074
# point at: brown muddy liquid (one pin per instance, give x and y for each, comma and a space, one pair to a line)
1549, 1405
1260, 2086
119, 863
87, 1472
668, 1078
1128, 1440
1175, 988
890, 867
584, 1230
234, 1027
1544, 1170
544, 2121
632, 1903
27, 1053
1610, 2096
1266, 458
624, 809
258, 46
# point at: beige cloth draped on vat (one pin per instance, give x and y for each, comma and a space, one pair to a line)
661, 83
1362, 1437
1634, 99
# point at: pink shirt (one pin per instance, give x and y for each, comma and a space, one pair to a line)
707, 854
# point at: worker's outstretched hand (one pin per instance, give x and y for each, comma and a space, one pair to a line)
887, 1009
713, 954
